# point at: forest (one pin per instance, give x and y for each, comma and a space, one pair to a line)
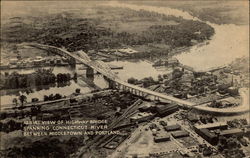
82, 33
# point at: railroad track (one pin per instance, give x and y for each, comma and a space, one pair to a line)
99, 139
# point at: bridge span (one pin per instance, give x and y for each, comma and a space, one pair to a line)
113, 79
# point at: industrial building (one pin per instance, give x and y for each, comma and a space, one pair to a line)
213, 126
192, 118
210, 137
141, 117
161, 137
180, 134
232, 132
172, 128
164, 110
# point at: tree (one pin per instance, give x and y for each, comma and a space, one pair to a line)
165, 76
78, 91
160, 78
132, 80
23, 99
45, 98
14, 101
75, 76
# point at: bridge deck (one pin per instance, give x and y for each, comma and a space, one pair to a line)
98, 66
160, 95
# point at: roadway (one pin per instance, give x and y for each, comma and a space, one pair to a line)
153, 93
102, 68
243, 108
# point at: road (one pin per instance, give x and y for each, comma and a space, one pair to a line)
243, 108
157, 94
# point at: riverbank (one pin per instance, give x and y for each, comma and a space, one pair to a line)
231, 12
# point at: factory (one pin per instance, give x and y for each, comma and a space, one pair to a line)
232, 132
164, 110
141, 117
180, 134
210, 137
161, 137
205, 131
172, 128
213, 126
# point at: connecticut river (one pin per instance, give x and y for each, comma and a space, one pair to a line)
228, 43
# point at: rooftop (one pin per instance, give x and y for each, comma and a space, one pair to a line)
128, 50
231, 131
172, 127
211, 125
141, 115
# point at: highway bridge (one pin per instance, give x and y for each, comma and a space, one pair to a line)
113, 79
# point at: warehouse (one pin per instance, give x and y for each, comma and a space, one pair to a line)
207, 135
172, 127
180, 134
164, 110
161, 138
232, 132
192, 118
141, 117
213, 126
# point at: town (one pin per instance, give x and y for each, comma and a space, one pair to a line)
104, 93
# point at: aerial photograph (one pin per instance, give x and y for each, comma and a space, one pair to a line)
124, 79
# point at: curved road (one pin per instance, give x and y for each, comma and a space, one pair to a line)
243, 108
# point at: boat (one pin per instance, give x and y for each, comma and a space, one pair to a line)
113, 67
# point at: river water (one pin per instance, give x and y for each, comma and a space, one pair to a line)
229, 42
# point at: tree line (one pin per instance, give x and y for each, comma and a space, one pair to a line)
38, 78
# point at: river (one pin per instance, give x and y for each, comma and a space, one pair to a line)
229, 42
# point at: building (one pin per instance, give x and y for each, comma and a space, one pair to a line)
210, 137
128, 51
164, 110
233, 91
172, 128
161, 138
141, 117
192, 118
172, 62
180, 134
213, 126
232, 132
144, 108
13, 61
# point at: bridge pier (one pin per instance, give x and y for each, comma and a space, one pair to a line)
89, 72
112, 84
72, 62
156, 98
